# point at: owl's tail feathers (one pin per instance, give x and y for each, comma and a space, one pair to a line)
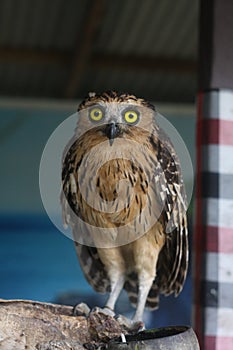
93, 268
131, 286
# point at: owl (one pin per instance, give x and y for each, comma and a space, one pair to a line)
123, 196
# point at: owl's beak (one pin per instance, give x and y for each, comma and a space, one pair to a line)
111, 131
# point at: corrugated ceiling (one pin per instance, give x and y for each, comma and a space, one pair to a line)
63, 49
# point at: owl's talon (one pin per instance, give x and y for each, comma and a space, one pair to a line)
81, 309
105, 311
134, 326
109, 311
141, 326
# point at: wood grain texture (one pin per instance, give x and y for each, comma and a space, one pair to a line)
31, 325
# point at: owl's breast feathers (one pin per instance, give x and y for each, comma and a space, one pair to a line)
110, 186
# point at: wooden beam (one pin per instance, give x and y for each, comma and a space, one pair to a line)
174, 64
98, 61
34, 56
83, 50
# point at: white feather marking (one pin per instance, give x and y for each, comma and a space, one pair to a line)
162, 196
182, 200
123, 338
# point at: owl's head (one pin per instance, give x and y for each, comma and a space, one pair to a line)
113, 114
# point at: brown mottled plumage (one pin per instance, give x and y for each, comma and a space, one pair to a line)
117, 140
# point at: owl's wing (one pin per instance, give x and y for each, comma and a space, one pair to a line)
173, 259
68, 196
172, 263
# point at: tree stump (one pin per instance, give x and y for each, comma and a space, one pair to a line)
42, 326
32, 325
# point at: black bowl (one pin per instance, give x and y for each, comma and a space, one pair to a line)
166, 338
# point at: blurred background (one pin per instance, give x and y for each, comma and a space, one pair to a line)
51, 54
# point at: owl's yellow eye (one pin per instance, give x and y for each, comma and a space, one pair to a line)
96, 114
131, 117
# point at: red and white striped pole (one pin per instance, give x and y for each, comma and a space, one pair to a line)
213, 239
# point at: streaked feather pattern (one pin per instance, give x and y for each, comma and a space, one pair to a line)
166, 243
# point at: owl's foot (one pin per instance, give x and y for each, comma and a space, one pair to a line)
105, 311
133, 326
81, 309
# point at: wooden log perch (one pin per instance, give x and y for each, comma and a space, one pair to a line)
43, 326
